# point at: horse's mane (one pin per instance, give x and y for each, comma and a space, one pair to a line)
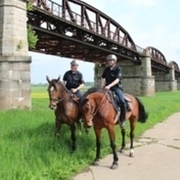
90, 91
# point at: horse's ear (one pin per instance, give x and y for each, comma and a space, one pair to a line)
59, 78
48, 80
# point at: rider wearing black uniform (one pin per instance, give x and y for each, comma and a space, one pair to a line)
73, 79
111, 79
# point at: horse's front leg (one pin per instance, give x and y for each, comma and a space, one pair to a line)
79, 126
73, 136
98, 146
113, 146
58, 125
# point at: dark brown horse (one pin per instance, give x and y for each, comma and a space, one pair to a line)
65, 108
98, 111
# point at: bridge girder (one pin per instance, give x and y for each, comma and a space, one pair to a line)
89, 40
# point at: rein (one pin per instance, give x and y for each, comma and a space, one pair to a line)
59, 100
93, 114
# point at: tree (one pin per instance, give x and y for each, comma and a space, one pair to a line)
32, 37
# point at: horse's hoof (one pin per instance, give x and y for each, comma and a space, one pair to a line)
131, 154
74, 148
95, 163
121, 150
87, 131
114, 166
57, 135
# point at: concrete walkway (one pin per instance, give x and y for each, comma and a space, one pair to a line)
157, 157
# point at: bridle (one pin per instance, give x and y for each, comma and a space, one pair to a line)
58, 100
95, 112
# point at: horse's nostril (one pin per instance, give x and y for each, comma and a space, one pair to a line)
88, 126
51, 107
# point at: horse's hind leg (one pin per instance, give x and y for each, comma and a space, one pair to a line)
58, 127
73, 137
132, 127
113, 147
123, 144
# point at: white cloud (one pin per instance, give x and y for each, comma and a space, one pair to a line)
145, 3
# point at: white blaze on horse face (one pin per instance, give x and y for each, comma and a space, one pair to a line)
52, 88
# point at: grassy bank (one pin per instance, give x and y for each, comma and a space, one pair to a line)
29, 150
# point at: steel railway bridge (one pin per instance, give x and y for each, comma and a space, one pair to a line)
74, 29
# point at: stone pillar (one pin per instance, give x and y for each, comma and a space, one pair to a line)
178, 83
131, 80
166, 81
147, 80
138, 79
15, 90
98, 70
172, 82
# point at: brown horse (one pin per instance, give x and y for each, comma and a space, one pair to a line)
98, 111
65, 108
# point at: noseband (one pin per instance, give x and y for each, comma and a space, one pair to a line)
58, 100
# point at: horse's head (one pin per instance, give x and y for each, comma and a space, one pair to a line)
54, 91
87, 109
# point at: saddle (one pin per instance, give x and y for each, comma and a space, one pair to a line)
115, 101
75, 98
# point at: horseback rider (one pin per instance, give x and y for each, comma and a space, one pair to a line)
111, 80
73, 79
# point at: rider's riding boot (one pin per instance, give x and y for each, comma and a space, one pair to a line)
123, 113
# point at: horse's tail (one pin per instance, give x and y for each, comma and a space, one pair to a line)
143, 115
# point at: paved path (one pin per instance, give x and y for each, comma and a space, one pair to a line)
157, 157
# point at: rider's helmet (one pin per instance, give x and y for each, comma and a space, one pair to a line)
111, 57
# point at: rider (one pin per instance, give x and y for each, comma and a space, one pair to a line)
111, 79
73, 79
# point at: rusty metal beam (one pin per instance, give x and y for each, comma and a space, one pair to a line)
55, 26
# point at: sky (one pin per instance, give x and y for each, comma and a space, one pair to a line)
149, 22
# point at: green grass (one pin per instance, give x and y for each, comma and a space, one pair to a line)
30, 152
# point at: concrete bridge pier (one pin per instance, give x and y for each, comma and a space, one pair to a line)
178, 83
98, 70
172, 80
166, 82
147, 80
138, 79
15, 89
